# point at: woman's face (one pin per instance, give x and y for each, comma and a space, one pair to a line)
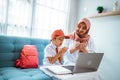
81, 29
59, 41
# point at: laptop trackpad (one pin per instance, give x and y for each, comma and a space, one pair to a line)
69, 67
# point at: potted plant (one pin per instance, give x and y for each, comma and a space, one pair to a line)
100, 9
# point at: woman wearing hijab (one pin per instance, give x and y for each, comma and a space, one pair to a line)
79, 42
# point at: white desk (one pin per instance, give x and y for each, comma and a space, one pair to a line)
78, 76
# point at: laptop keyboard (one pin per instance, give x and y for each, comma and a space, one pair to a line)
69, 67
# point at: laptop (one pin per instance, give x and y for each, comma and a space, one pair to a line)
85, 63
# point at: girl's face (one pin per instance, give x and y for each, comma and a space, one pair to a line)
81, 29
59, 41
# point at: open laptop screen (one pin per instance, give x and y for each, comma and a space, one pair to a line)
87, 62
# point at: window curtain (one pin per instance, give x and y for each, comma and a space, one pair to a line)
50, 15
2, 16
15, 17
33, 18
19, 17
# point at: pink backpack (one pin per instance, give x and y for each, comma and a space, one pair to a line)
28, 57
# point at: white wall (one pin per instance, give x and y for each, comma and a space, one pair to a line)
88, 8
105, 32
73, 15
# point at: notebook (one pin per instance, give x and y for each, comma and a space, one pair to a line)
85, 63
57, 69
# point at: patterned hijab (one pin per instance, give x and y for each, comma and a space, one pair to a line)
82, 38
